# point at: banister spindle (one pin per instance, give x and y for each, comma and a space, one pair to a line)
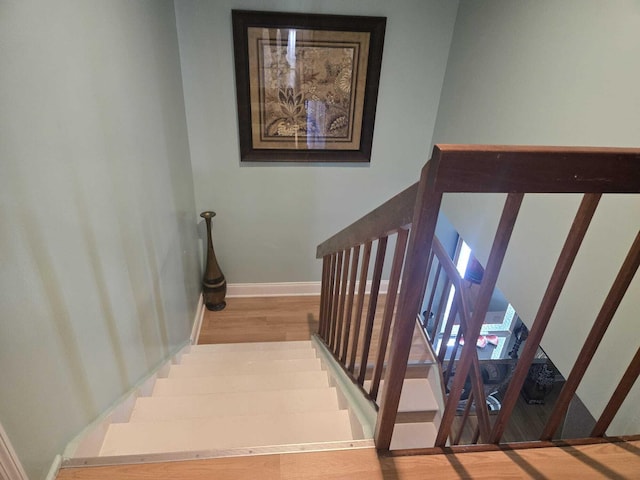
459, 306
460, 300
423, 288
371, 310
332, 281
554, 288
464, 419
475, 374
448, 327
324, 295
343, 295
454, 348
350, 297
389, 306
442, 303
364, 271
324, 287
425, 217
476, 435
622, 390
496, 257
477, 386
608, 310
334, 303
434, 288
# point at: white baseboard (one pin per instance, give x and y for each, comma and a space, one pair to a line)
55, 468
285, 289
89, 441
197, 321
10, 466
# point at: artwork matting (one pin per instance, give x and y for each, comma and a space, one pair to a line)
306, 85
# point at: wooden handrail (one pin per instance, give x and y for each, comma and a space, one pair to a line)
495, 169
394, 214
498, 168
475, 169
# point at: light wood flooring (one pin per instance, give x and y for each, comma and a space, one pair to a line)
277, 319
604, 461
262, 319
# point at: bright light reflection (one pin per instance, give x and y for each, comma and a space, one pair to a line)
461, 266
291, 57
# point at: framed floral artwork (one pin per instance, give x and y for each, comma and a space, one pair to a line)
306, 85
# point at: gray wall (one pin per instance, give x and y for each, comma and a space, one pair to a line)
98, 244
272, 217
555, 73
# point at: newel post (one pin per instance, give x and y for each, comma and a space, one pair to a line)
425, 217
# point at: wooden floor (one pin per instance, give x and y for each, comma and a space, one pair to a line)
277, 319
604, 461
262, 319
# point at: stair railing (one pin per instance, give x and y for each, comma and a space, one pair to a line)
412, 216
346, 258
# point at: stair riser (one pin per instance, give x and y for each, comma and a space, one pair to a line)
251, 347
214, 357
416, 395
415, 417
239, 383
236, 368
413, 435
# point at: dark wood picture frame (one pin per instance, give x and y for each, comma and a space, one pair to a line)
327, 111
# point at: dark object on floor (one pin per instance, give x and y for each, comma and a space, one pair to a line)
214, 285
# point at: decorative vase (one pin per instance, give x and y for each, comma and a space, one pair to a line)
214, 285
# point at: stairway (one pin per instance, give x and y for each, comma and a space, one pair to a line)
241, 397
